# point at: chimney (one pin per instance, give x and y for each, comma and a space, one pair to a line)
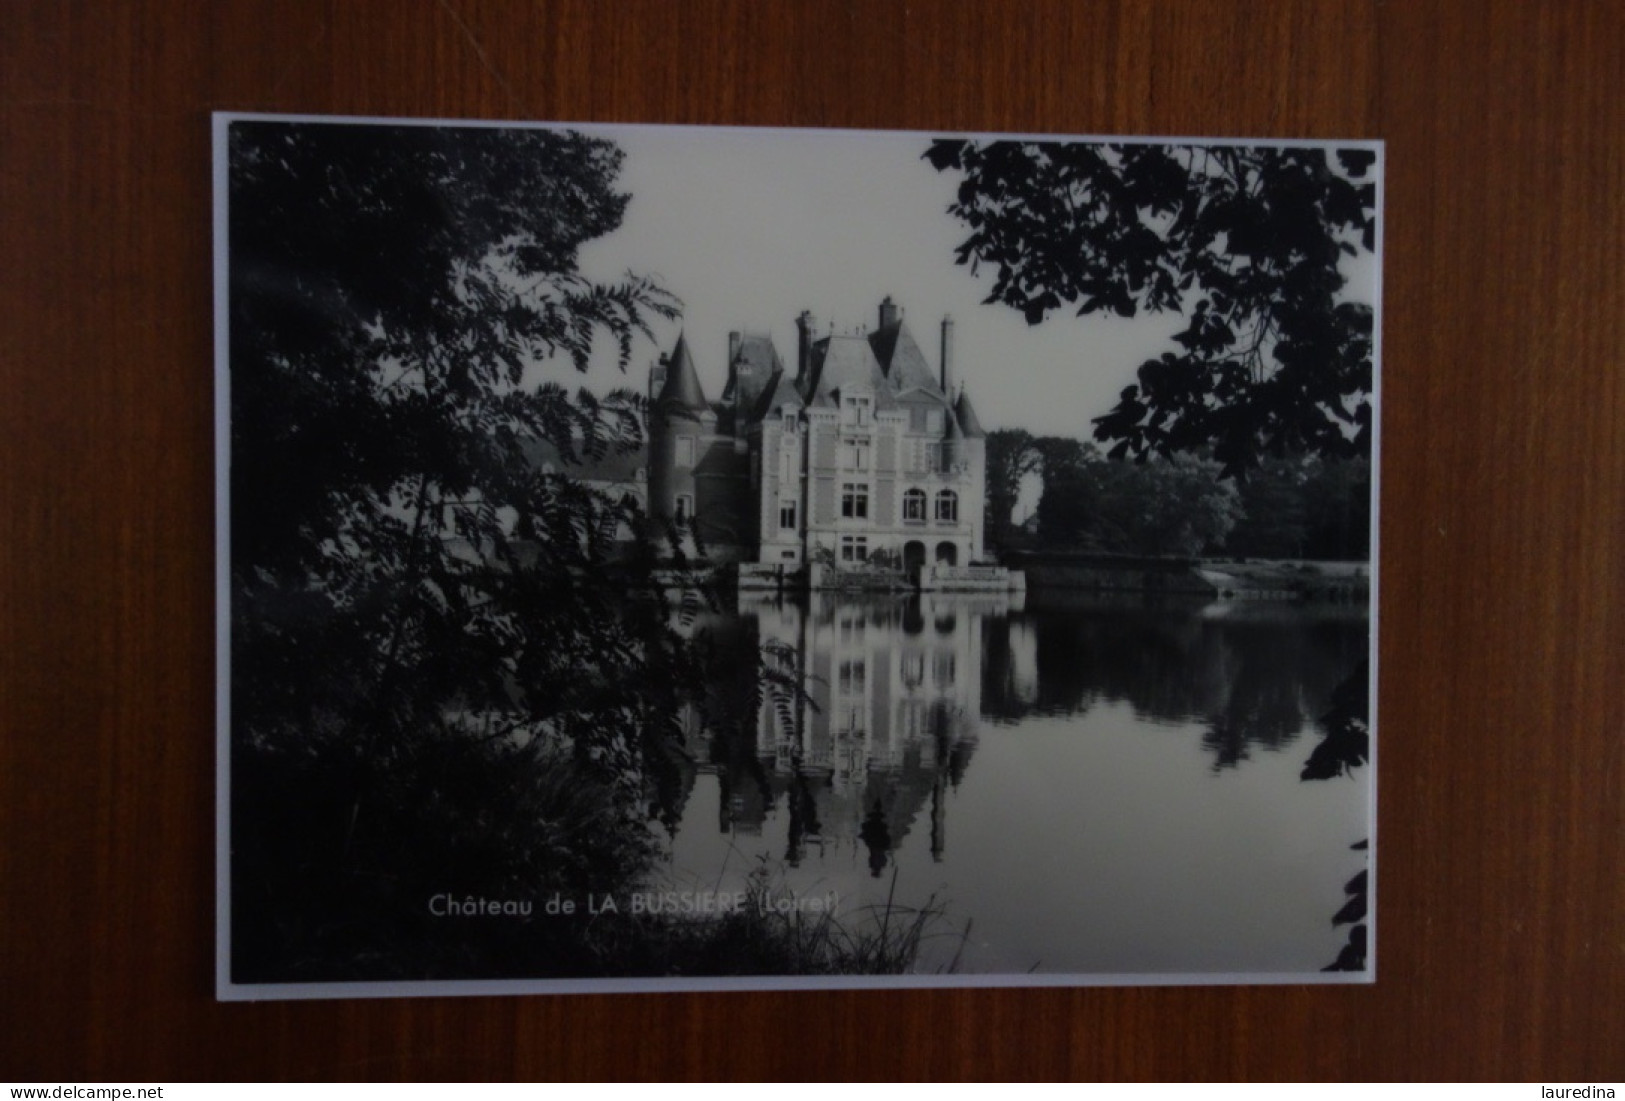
804, 325
733, 348
947, 351
889, 314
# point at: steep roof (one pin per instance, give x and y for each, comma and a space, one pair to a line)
920, 396
900, 358
682, 390
781, 392
966, 415
846, 361
751, 371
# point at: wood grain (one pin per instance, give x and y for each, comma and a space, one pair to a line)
1502, 789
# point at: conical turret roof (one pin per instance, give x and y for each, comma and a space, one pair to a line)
682, 390
966, 415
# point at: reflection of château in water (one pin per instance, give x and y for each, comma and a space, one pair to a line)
898, 687
886, 728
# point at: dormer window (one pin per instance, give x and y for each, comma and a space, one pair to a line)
855, 410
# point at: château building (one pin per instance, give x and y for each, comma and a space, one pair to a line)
861, 454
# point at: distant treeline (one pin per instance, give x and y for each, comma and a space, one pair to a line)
1297, 506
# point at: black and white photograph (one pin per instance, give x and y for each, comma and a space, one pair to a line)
675, 558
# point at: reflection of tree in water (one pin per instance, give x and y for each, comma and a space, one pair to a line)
1265, 705
1255, 676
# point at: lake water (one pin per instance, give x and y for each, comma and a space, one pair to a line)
1078, 786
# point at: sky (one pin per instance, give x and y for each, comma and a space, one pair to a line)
750, 227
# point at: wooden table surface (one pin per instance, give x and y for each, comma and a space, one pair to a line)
1501, 789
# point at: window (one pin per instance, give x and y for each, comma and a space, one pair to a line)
926, 457
942, 670
852, 677
854, 548
914, 506
855, 411
913, 670
855, 455
855, 501
909, 714
920, 457
787, 515
685, 509
685, 450
948, 506
933, 421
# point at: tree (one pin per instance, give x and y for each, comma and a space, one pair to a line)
1304, 506
1249, 243
1337, 504
1273, 511
1178, 506
389, 285
1011, 456
439, 680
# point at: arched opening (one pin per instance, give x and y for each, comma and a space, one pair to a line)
947, 554
913, 554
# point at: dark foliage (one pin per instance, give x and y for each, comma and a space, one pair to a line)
1346, 741
1344, 746
1245, 242
1011, 456
1178, 506
1352, 955
447, 675
1304, 507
